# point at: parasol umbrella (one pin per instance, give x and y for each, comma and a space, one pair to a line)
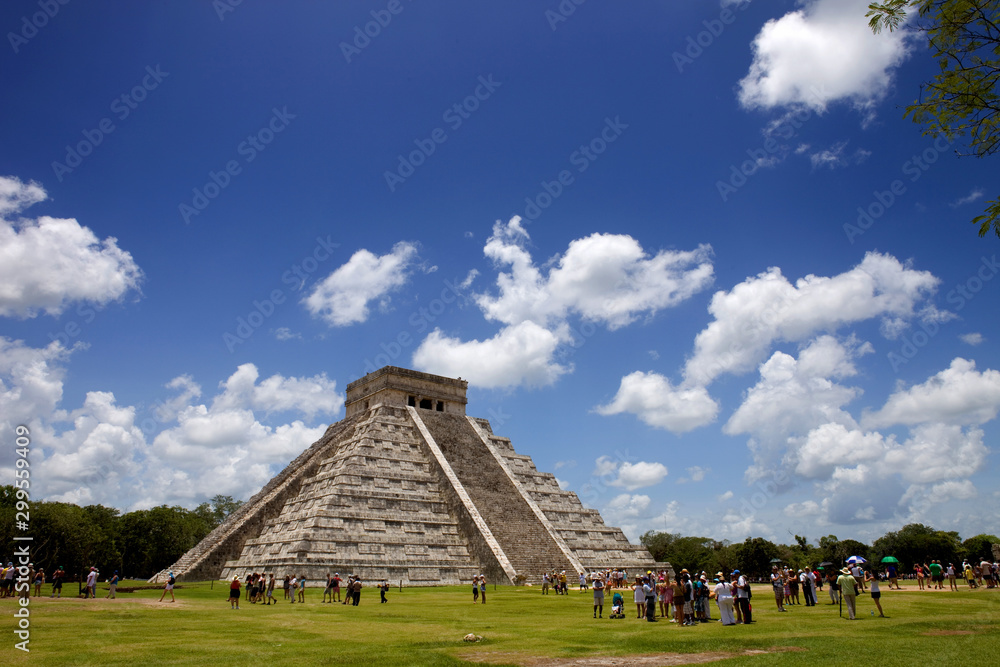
825, 563
854, 560
890, 559
775, 560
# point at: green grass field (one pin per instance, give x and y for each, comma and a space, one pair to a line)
519, 626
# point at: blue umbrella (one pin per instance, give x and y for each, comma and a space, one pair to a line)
854, 560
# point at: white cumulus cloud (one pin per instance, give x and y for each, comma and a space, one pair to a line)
821, 53
957, 395
654, 400
343, 297
522, 354
49, 263
767, 308
604, 278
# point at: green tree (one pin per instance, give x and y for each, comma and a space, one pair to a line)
753, 556
218, 509
917, 543
979, 547
155, 538
963, 99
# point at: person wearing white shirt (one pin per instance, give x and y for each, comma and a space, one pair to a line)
743, 596
724, 598
92, 583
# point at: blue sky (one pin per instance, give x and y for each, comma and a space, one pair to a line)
689, 256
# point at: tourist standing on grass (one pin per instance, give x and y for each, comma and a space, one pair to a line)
336, 586
919, 570
328, 590
778, 585
724, 599
970, 576
287, 585
743, 597
599, 596
678, 588
952, 583
349, 590
937, 575
382, 590
57, 582
475, 587
834, 589
39, 580
112, 586
91, 584
169, 587
891, 573
707, 594
639, 598
662, 589
803, 579
482, 588
876, 593
649, 588
688, 598
234, 592
848, 588
270, 591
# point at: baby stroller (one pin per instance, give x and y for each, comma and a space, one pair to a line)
617, 606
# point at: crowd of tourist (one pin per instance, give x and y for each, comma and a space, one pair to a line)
686, 599
259, 587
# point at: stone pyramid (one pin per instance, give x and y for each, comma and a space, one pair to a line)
408, 488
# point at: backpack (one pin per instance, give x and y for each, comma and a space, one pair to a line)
171, 581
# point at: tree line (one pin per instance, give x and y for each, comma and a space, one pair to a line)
912, 544
138, 544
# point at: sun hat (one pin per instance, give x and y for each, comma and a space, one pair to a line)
736, 571
845, 570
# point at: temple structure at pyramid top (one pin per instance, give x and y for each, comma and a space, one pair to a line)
409, 488
391, 385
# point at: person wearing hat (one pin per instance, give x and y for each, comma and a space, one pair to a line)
112, 586
743, 597
169, 588
91, 590
778, 584
598, 595
57, 582
234, 592
649, 589
807, 587
724, 599
706, 594
848, 588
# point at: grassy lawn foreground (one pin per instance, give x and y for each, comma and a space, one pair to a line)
425, 626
